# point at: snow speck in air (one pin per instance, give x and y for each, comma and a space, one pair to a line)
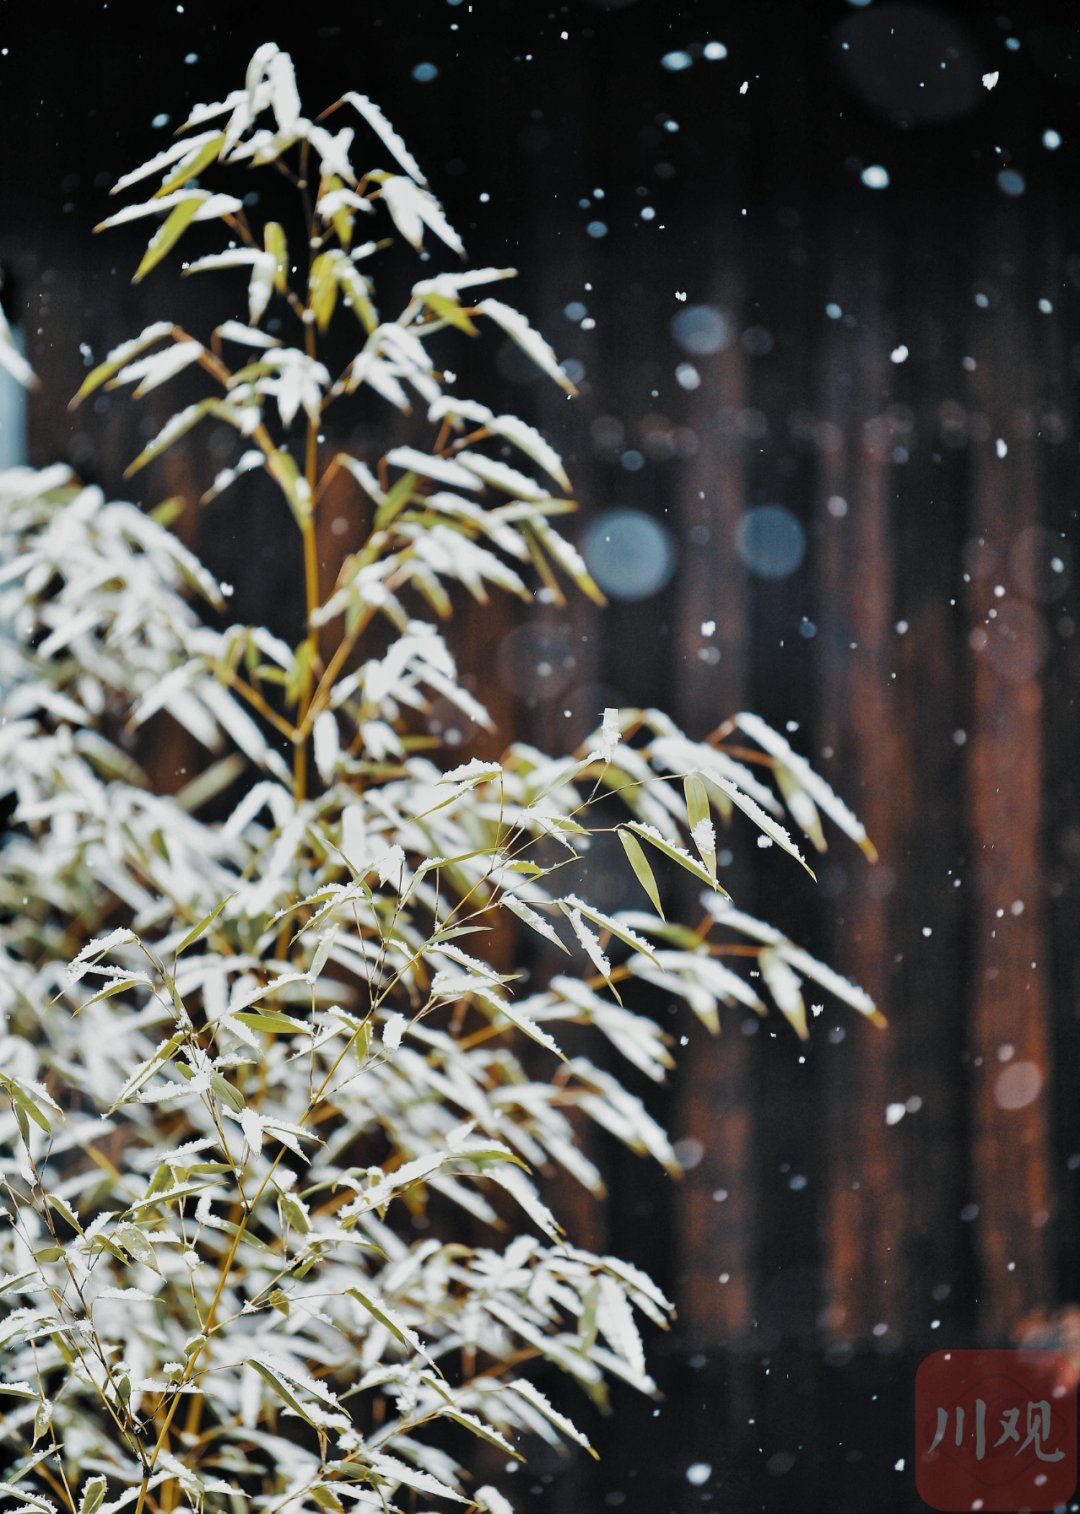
597, 229
676, 62
698, 1474
989, 80
894, 1113
744, 86
714, 51
687, 376
1051, 139
1011, 182
875, 176
1001, 447
899, 354
423, 73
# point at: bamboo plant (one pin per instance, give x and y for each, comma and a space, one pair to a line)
274, 1140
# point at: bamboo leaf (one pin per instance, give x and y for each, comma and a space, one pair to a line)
677, 854
194, 165
272, 1022
389, 1321
93, 1495
167, 235
118, 358
203, 926
642, 871
276, 245
282, 1389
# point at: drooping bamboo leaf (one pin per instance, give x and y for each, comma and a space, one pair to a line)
642, 871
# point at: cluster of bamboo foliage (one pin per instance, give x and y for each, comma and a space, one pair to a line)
254, 1066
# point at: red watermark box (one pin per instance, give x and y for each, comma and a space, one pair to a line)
995, 1430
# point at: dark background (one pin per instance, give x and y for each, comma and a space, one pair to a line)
858, 1202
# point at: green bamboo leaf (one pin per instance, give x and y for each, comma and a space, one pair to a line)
282, 1389
65, 1211
174, 428
117, 358
273, 1023
484, 1432
226, 1092
93, 1495
276, 245
327, 1499
569, 560
282, 468
642, 871
118, 986
323, 289
801, 807
677, 854
206, 155
204, 925
395, 501
399, 1331
167, 235
699, 816
449, 310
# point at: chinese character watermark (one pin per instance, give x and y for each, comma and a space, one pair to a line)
995, 1430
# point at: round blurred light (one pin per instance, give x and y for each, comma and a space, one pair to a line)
909, 62
423, 73
875, 176
770, 541
1040, 563
676, 62
536, 660
687, 376
757, 341
700, 330
1018, 1086
630, 555
1016, 641
1011, 182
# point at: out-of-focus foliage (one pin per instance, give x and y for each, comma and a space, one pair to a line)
254, 1068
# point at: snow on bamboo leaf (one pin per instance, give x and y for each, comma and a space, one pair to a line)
677, 854
772, 829
386, 134
524, 336
119, 356
412, 208
812, 783
784, 985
